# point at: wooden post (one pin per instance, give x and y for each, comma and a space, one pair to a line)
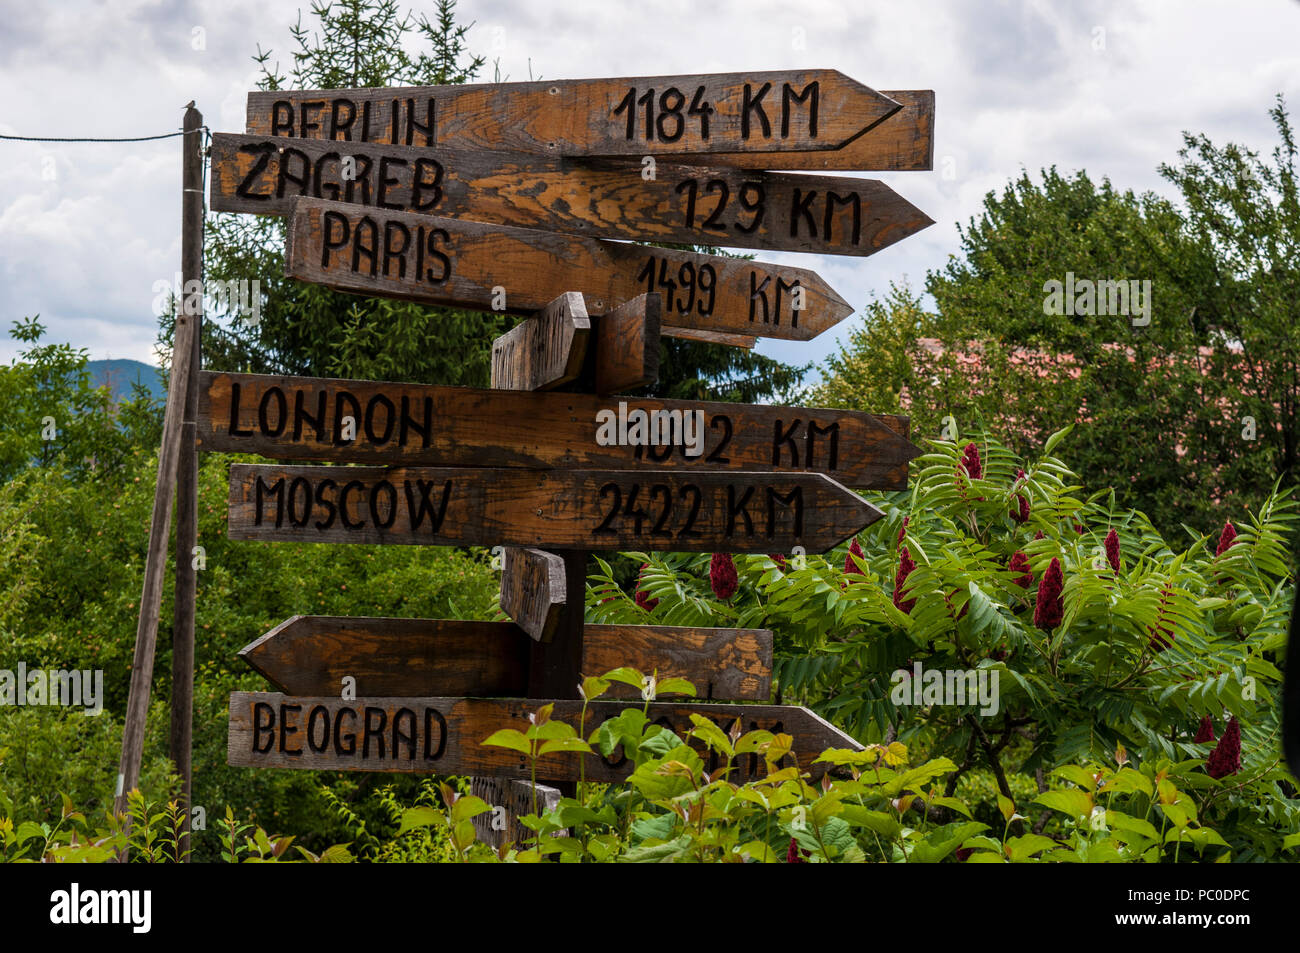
187, 475
146, 634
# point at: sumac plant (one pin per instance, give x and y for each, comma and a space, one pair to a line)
1136, 679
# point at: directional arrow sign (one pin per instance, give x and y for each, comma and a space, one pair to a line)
533, 591
902, 143
444, 735
688, 205
786, 111
311, 655
545, 350
426, 258
307, 418
702, 511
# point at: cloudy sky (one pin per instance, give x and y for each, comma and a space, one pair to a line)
86, 229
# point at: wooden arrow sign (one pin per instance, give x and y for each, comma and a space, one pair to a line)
426, 258
701, 511
532, 592
687, 205
444, 735
311, 655
307, 418
545, 350
762, 113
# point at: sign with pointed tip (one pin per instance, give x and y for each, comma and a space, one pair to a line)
902, 143
311, 655
433, 260
700, 511
752, 113
545, 350
533, 590
376, 422
679, 204
444, 736
627, 345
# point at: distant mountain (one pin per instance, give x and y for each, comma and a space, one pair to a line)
119, 375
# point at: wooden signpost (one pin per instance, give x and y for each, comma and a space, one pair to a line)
748, 113
411, 256
312, 655
701, 511
306, 418
682, 204
531, 199
444, 735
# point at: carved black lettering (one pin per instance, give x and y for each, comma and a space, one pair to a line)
851, 200
789, 96
833, 454
431, 753
345, 512
416, 510
793, 498
383, 487
343, 112
754, 104
323, 500
400, 716
782, 438
339, 737
260, 490
299, 177
235, 430
300, 415
263, 151
313, 718
329, 222
408, 423
286, 730
263, 723
426, 177
801, 208
281, 412
373, 730
739, 508
365, 244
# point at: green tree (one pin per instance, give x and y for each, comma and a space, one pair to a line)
308, 329
1164, 397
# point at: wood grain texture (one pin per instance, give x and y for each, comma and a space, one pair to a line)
426, 258
444, 736
746, 341
627, 345
310, 655
304, 418
760, 113
902, 143
703, 511
545, 350
515, 798
532, 591
713, 205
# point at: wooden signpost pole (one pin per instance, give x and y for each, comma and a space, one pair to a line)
184, 343
437, 195
187, 476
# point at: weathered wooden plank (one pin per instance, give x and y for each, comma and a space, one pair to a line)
426, 258
510, 800
545, 350
902, 143
305, 418
746, 341
713, 205
444, 735
627, 345
701, 511
763, 113
311, 655
532, 591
